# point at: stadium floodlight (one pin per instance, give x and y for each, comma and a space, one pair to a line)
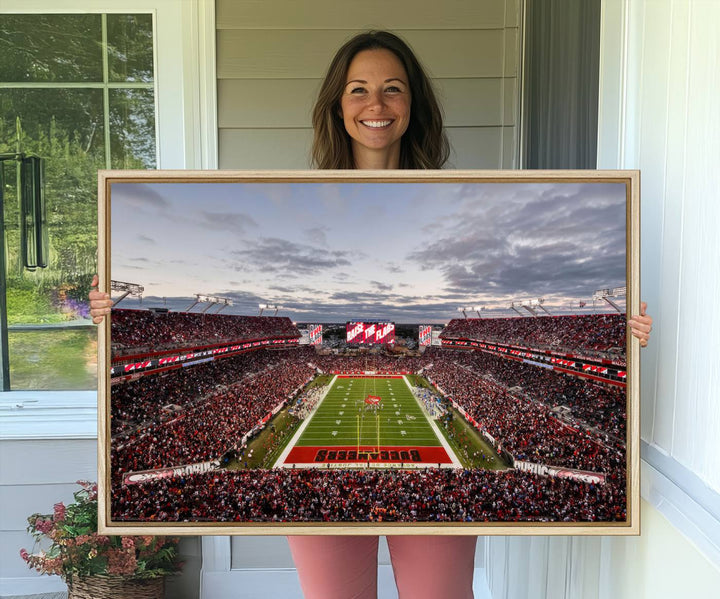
463, 311
606, 294
127, 289
515, 308
268, 307
538, 303
477, 310
210, 300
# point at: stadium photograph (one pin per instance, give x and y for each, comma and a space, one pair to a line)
385, 352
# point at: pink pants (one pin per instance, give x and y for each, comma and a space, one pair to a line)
425, 567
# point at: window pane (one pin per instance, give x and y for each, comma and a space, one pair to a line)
130, 47
65, 127
52, 343
37, 48
48, 117
132, 128
54, 359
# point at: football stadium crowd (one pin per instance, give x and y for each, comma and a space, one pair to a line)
585, 333
208, 428
156, 399
196, 414
526, 427
143, 331
600, 406
318, 495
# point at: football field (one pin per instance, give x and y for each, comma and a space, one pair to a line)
368, 421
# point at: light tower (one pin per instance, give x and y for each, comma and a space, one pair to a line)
478, 309
127, 289
264, 307
606, 294
211, 301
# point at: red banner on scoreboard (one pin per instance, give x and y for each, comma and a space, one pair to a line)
370, 332
316, 334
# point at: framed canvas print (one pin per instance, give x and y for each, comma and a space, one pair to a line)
366, 352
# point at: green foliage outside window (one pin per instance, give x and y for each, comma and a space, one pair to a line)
78, 91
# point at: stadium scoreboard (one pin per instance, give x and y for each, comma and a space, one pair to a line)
367, 333
316, 334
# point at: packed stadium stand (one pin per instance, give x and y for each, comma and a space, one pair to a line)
193, 414
137, 331
580, 333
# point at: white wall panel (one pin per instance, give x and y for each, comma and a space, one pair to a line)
47, 462
253, 552
253, 54
475, 147
271, 58
660, 84
288, 103
654, 83
400, 14
34, 475
265, 148
697, 422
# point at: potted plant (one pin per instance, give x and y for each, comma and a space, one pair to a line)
97, 566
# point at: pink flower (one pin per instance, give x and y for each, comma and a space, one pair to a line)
59, 509
25, 555
44, 526
128, 543
121, 562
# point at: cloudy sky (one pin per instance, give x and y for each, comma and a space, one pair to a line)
335, 251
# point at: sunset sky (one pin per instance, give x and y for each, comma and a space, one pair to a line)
337, 251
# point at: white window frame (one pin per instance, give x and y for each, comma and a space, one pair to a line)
186, 135
668, 485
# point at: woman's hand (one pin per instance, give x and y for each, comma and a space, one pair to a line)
641, 325
100, 303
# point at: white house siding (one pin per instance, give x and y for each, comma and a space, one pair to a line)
271, 57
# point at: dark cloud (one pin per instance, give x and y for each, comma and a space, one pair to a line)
138, 196
565, 240
381, 286
280, 255
226, 221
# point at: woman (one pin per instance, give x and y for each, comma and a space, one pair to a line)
377, 110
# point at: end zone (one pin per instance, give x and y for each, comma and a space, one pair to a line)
354, 457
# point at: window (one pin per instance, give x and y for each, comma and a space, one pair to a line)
77, 90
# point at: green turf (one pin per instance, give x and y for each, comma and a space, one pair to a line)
343, 412
469, 446
268, 445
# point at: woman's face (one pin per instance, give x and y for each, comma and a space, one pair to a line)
375, 104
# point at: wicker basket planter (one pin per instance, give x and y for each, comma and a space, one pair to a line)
116, 587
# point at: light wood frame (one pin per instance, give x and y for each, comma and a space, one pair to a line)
629, 178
